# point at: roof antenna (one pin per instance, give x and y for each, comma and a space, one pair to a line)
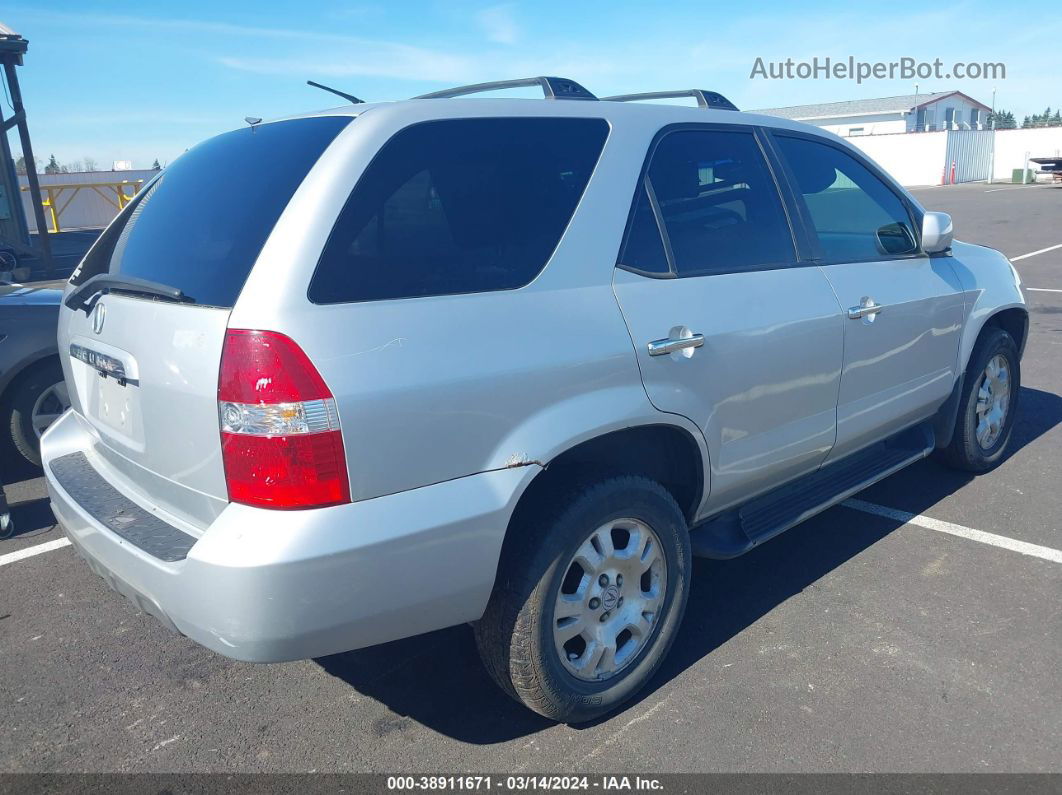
253, 121
353, 100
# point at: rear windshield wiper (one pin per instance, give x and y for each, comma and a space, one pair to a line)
81, 296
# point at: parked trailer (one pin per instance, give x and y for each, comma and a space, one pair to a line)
1049, 165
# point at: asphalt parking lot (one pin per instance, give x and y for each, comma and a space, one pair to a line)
855, 642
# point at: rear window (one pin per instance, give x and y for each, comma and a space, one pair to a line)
458, 206
200, 225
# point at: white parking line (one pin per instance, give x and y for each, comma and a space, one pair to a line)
1025, 548
1034, 253
1043, 290
29, 552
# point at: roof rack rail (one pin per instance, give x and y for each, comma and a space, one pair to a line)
552, 88
705, 99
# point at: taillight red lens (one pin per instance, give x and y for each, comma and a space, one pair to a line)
280, 438
286, 472
267, 367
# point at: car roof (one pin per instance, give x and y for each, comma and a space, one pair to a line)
613, 111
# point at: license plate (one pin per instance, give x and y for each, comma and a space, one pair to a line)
115, 404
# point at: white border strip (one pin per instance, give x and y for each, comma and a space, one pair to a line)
1043, 290
1034, 253
29, 552
1023, 547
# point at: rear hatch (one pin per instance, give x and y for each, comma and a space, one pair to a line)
142, 366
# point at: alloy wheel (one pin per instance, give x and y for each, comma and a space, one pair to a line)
610, 600
48, 407
993, 401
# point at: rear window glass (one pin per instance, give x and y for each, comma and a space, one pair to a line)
458, 206
200, 225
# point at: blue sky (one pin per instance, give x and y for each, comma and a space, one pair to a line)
136, 81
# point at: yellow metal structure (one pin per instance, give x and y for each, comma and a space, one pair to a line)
117, 194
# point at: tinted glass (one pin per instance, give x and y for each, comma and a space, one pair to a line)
643, 249
719, 202
458, 206
200, 225
856, 216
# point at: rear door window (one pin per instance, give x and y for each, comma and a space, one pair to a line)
458, 206
856, 216
200, 225
719, 203
643, 248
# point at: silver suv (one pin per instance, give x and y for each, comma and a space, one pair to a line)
370, 372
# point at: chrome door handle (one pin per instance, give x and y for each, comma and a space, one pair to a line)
672, 344
866, 308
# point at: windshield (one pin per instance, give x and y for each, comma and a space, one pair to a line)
200, 225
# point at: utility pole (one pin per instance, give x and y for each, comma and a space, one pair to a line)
992, 154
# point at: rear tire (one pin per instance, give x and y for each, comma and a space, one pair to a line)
988, 404
621, 629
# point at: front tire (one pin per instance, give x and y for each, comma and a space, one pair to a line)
589, 597
988, 404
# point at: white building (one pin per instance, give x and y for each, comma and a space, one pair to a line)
943, 110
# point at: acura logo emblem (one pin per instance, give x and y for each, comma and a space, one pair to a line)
99, 314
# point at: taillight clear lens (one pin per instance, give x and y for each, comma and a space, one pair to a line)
280, 439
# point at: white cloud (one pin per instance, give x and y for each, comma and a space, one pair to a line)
370, 58
498, 24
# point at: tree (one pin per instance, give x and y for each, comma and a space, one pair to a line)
1004, 120
53, 166
156, 165
20, 164
1048, 118
90, 164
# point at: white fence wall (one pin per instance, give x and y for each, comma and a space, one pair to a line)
1011, 146
923, 158
87, 208
911, 158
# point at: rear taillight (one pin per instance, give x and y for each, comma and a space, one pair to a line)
280, 438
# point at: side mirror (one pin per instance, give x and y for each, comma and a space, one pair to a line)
936, 232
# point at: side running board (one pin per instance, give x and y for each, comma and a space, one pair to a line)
737, 531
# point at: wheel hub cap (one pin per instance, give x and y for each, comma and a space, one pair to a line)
610, 600
993, 401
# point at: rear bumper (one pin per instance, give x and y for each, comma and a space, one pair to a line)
271, 586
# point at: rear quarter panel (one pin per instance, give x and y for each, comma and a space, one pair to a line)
430, 389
